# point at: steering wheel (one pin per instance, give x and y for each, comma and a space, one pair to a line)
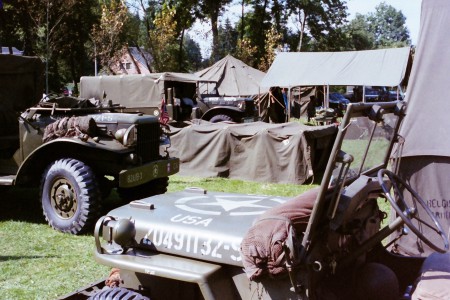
409, 213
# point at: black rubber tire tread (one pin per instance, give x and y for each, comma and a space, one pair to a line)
117, 293
88, 196
155, 187
220, 118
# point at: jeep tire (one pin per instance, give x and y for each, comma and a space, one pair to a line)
70, 196
151, 188
117, 293
220, 118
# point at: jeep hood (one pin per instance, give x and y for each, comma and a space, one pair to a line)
195, 223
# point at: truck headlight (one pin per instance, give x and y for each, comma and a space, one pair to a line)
127, 136
241, 105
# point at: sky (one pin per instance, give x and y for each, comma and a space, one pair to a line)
409, 8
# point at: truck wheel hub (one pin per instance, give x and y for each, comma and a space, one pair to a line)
64, 199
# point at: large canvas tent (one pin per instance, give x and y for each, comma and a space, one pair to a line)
425, 159
383, 67
233, 77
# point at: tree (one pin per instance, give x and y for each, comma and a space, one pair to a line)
55, 31
273, 44
246, 52
359, 37
163, 44
228, 38
318, 19
212, 9
384, 28
193, 54
109, 36
388, 27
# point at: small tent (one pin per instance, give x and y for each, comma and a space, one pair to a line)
425, 159
233, 77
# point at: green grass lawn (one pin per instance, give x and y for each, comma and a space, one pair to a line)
36, 262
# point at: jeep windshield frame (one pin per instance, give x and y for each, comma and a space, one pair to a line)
363, 145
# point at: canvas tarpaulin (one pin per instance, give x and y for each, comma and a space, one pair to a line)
425, 161
383, 67
283, 153
134, 90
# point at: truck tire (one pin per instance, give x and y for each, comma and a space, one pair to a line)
117, 293
220, 118
152, 188
70, 196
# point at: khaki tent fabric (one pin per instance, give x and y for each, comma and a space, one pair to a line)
425, 161
384, 67
233, 77
283, 153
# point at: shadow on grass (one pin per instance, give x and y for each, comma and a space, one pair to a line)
21, 205
10, 258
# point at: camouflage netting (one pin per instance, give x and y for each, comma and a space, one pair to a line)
81, 127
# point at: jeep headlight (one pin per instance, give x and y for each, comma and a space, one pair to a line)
127, 136
241, 105
114, 235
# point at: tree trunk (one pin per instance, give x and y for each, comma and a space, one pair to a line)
302, 30
215, 32
180, 52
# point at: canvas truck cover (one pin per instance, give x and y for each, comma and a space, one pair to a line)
126, 90
133, 90
425, 161
21, 82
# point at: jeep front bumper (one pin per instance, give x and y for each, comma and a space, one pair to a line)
142, 174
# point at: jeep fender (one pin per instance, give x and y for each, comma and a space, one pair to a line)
234, 112
33, 166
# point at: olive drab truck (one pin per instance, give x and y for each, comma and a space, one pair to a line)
179, 91
75, 150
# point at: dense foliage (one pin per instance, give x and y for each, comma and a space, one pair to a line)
71, 35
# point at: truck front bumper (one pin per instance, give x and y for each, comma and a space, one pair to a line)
145, 173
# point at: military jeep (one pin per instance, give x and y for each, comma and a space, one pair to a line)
331, 242
74, 150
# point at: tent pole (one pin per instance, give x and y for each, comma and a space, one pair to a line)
364, 94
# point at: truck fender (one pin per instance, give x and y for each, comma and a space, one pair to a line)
34, 164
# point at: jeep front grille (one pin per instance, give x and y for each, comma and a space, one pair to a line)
147, 146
